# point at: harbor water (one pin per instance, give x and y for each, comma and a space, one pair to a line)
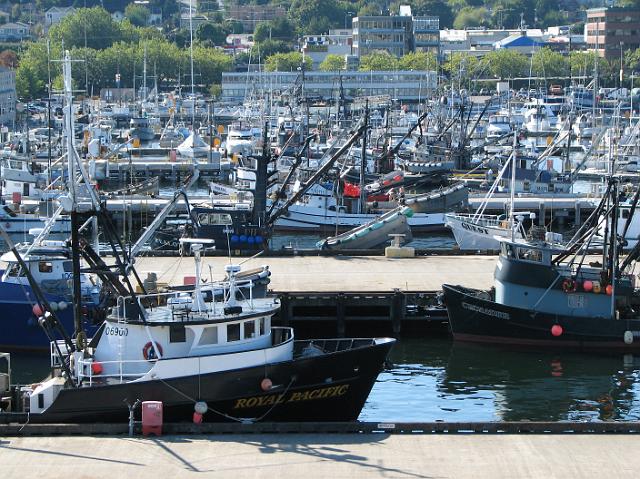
439, 380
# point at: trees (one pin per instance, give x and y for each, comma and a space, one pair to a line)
270, 47
287, 62
505, 63
549, 64
378, 61
214, 33
93, 24
278, 29
138, 15
8, 58
471, 17
424, 61
332, 63
462, 67
317, 16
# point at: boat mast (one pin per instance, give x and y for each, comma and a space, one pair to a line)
363, 161
513, 184
193, 94
613, 266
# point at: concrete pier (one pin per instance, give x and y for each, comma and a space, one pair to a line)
340, 273
324, 456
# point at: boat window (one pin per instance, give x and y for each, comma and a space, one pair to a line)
45, 267
67, 266
262, 326
249, 329
220, 219
209, 336
233, 332
203, 219
177, 334
624, 213
529, 254
16, 270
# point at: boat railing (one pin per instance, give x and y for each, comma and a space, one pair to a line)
495, 221
58, 359
90, 370
182, 304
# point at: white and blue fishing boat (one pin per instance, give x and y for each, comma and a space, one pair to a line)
50, 266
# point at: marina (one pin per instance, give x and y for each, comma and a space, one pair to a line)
281, 237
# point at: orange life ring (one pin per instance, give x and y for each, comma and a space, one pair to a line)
569, 285
149, 353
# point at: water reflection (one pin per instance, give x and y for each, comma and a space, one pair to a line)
437, 380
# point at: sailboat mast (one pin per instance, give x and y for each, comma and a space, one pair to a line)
193, 94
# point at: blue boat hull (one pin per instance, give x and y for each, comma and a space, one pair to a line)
19, 328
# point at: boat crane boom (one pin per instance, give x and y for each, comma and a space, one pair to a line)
159, 219
317, 175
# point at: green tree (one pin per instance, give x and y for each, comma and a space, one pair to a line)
278, 29
287, 62
505, 63
269, 47
28, 83
378, 61
423, 61
215, 33
549, 64
471, 17
462, 67
332, 63
100, 29
233, 26
138, 15
583, 63
317, 16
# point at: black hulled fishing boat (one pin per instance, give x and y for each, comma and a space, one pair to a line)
547, 294
221, 359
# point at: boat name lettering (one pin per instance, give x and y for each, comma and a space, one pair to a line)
486, 311
116, 331
272, 399
475, 228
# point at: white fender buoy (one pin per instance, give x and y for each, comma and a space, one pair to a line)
200, 407
628, 337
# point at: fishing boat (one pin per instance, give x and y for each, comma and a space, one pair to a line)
204, 360
49, 264
374, 233
139, 128
547, 294
22, 223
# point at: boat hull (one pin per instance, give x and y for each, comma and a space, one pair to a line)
481, 320
476, 236
329, 387
19, 328
318, 220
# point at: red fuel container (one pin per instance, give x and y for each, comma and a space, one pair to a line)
152, 418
